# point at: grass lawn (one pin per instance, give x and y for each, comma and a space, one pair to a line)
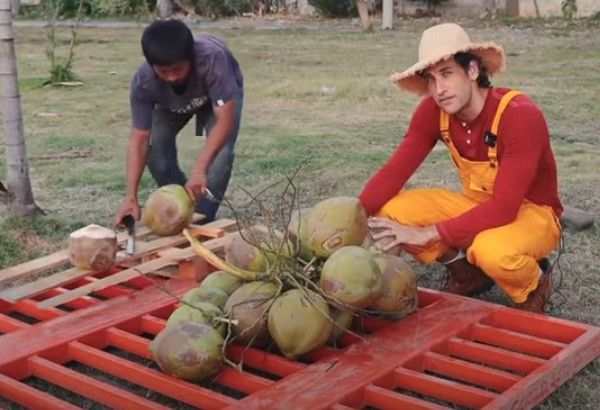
321, 101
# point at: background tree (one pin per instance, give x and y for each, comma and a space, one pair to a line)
18, 186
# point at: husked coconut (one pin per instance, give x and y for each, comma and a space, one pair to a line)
93, 247
334, 223
299, 322
190, 351
351, 277
168, 210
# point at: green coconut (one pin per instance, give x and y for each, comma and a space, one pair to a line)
190, 351
255, 248
298, 234
248, 305
168, 210
399, 295
185, 314
352, 277
342, 319
334, 223
214, 296
200, 312
222, 280
299, 322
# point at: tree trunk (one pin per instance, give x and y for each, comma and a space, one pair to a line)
20, 197
363, 12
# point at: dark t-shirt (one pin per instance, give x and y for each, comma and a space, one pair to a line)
216, 78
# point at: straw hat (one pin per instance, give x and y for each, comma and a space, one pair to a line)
438, 43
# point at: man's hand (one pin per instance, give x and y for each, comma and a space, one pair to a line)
130, 207
196, 185
389, 234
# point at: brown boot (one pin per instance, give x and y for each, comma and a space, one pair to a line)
466, 279
537, 298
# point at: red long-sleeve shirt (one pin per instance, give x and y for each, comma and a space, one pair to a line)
526, 171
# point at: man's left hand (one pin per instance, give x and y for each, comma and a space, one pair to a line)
196, 185
385, 229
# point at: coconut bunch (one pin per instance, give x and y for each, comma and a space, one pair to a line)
299, 289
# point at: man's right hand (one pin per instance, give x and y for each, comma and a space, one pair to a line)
130, 207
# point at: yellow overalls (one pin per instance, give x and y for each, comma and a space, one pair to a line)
507, 254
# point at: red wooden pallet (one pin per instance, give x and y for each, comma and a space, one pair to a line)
451, 351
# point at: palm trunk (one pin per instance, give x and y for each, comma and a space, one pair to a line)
363, 12
20, 197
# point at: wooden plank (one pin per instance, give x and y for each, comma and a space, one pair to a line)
31, 289
87, 386
61, 257
442, 389
169, 257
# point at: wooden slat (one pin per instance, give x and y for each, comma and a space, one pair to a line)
168, 258
87, 386
442, 389
154, 380
492, 356
29, 397
514, 341
496, 380
59, 258
385, 399
213, 230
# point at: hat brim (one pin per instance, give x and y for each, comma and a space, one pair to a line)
491, 54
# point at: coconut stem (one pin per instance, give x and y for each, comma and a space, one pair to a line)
217, 262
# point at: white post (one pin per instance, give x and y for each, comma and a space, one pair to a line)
387, 21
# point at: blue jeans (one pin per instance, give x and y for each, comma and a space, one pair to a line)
162, 152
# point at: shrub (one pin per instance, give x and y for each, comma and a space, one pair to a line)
334, 8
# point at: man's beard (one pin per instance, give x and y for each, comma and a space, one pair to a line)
179, 88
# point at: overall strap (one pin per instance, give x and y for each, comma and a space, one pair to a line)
492, 135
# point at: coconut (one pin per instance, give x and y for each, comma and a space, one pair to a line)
214, 296
168, 210
255, 248
93, 247
297, 233
342, 319
190, 351
399, 296
299, 322
248, 305
223, 281
334, 223
351, 276
185, 314
200, 312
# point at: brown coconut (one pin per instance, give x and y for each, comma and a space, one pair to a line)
248, 305
93, 247
351, 277
168, 210
399, 295
334, 223
299, 322
190, 351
